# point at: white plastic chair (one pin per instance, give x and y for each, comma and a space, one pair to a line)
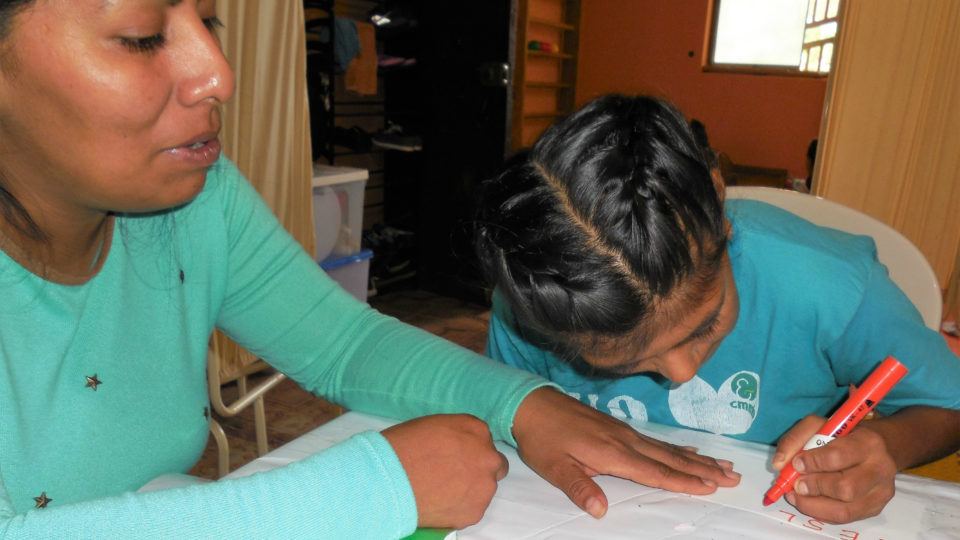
908, 267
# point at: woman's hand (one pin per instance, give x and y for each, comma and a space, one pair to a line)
452, 466
849, 479
568, 443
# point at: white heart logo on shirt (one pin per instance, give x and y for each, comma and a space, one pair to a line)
627, 408
623, 406
727, 411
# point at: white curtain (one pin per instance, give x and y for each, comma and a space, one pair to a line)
891, 134
266, 126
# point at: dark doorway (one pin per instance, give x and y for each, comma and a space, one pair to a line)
457, 98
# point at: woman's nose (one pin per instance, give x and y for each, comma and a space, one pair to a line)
204, 71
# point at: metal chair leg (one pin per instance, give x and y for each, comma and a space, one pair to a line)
259, 417
260, 425
223, 448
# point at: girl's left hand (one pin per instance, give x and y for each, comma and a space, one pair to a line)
568, 443
851, 478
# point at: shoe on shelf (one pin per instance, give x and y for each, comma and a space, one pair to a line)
388, 62
353, 138
393, 138
394, 251
387, 238
397, 19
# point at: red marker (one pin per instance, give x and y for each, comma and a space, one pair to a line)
861, 402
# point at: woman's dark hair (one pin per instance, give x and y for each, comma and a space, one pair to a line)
613, 210
8, 8
10, 208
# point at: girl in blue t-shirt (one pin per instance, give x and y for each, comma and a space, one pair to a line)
620, 275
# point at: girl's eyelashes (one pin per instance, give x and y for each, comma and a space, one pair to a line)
145, 45
708, 331
150, 44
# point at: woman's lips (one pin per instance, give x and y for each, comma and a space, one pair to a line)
200, 154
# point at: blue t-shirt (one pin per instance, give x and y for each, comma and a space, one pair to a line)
817, 313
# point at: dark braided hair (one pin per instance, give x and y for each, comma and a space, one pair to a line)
613, 210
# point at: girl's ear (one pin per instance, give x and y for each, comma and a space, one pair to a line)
721, 187
718, 183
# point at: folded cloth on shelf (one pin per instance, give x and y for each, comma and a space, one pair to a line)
361, 75
388, 61
346, 42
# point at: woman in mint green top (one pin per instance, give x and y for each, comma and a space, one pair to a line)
125, 239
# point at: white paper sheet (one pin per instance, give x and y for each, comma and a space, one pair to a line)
527, 507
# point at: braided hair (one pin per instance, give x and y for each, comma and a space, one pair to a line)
612, 211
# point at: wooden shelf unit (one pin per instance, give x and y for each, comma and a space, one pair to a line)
550, 54
544, 86
537, 84
548, 114
342, 108
553, 24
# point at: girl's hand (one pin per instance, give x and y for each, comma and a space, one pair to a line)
849, 479
568, 443
452, 466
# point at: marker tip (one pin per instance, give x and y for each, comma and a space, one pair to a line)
767, 501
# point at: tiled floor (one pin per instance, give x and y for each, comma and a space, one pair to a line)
291, 411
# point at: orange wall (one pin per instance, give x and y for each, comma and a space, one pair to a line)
642, 46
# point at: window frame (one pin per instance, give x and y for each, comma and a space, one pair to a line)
708, 66
822, 43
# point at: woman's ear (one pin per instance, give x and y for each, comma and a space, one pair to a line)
718, 183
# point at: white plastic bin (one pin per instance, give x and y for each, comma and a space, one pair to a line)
351, 272
338, 209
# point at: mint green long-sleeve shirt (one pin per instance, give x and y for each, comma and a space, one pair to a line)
102, 384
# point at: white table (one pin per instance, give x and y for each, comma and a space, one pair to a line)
527, 507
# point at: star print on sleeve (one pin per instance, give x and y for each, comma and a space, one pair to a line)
93, 382
42, 501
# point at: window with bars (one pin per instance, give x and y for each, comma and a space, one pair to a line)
773, 36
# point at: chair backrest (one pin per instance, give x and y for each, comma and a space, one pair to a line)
907, 266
